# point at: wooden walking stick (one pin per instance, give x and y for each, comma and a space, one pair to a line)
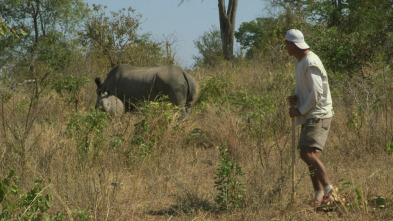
293, 156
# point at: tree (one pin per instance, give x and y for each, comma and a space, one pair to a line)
227, 26
49, 47
44, 16
260, 36
113, 40
347, 34
227, 18
210, 48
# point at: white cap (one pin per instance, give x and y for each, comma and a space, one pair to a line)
296, 37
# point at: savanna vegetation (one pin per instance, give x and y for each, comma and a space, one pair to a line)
230, 159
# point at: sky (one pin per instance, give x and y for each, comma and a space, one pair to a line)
185, 22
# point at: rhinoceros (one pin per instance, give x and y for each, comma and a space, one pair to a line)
110, 104
132, 84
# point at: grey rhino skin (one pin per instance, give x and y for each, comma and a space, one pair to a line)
110, 104
132, 84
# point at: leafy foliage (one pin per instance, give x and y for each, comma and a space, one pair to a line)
210, 48
28, 206
260, 36
69, 87
346, 34
114, 40
389, 148
33, 205
215, 90
51, 25
87, 129
157, 118
231, 193
8, 186
6, 31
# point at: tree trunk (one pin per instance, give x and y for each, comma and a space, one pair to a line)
35, 7
227, 26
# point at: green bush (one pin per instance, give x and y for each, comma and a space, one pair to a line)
231, 192
69, 87
341, 52
389, 148
32, 205
156, 119
87, 129
214, 90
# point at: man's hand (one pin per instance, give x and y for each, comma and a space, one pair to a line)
292, 100
294, 112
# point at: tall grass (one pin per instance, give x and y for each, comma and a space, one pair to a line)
150, 165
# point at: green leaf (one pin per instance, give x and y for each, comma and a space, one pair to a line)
2, 194
358, 192
47, 204
14, 189
23, 31
11, 174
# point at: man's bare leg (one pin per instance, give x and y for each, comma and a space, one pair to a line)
319, 177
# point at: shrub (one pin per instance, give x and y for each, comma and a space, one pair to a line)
69, 87
231, 192
156, 119
87, 130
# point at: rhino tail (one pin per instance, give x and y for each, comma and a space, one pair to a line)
190, 89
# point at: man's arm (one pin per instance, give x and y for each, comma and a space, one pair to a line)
314, 82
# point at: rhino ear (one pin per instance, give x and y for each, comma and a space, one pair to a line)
98, 82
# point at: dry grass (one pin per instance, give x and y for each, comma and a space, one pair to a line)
173, 178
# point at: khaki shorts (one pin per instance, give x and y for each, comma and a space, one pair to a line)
314, 133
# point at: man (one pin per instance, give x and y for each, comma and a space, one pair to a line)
312, 107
